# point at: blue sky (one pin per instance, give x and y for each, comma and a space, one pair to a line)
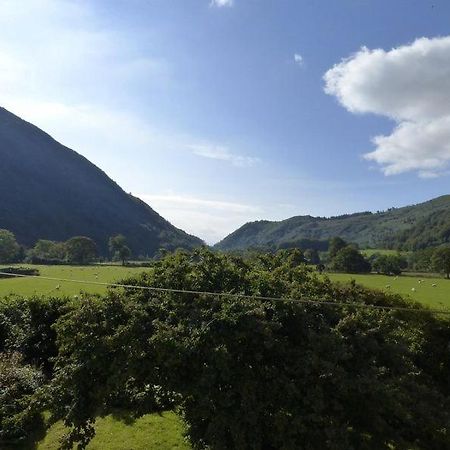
218, 113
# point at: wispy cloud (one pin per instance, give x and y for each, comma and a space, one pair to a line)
298, 59
209, 219
221, 3
223, 154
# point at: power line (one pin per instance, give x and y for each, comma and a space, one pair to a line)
225, 294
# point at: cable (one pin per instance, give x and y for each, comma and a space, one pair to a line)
225, 294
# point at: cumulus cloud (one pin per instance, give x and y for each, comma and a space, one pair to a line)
221, 3
223, 154
410, 85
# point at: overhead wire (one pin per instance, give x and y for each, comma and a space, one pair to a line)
301, 300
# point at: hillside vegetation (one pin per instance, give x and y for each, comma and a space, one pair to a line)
408, 228
51, 192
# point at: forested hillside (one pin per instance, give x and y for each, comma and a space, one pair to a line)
51, 192
411, 227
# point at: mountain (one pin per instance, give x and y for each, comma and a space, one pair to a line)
411, 227
48, 191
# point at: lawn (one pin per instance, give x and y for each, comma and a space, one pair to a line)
98, 273
150, 432
424, 292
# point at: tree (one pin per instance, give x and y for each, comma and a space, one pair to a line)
255, 374
80, 250
389, 264
312, 256
9, 248
440, 260
118, 248
350, 260
335, 244
48, 250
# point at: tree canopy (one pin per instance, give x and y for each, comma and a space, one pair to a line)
245, 373
9, 248
80, 250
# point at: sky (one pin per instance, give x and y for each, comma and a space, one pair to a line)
220, 112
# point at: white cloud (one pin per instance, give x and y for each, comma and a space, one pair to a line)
411, 85
298, 59
209, 219
221, 3
223, 154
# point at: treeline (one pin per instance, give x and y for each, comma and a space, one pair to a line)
338, 255
243, 372
76, 250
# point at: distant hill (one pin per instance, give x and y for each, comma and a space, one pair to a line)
48, 191
411, 227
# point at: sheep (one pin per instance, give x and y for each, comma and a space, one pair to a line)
413, 289
434, 285
388, 286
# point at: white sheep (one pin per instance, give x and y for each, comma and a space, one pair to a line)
413, 289
434, 285
388, 286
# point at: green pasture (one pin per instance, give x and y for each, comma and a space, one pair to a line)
368, 252
93, 274
150, 432
424, 292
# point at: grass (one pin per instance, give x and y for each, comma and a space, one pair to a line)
150, 432
99, 273
368, 252
425, 293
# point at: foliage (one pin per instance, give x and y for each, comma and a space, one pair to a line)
350, 260
409, 228
80, 250
312, 256
255, 374
48, 250
118, 248
335, 245
440, 260
389, 264
9, 248
18, 382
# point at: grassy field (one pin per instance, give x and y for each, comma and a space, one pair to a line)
424, 292
436, 297
100, 273
150, 432
368, 252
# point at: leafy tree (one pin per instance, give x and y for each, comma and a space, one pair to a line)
335, 244
80, 250
18, 382
118, 248
252, 374
9, 248
389, 264
48, 250
350, 260
312, 256
441, 260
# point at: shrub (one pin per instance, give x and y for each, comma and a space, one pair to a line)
18, 383
253, 374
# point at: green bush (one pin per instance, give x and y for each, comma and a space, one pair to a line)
256, 374
18, 383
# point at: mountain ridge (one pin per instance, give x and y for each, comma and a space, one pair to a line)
410, 227
49, 191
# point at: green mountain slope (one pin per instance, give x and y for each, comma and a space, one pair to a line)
48, 191
410, 227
